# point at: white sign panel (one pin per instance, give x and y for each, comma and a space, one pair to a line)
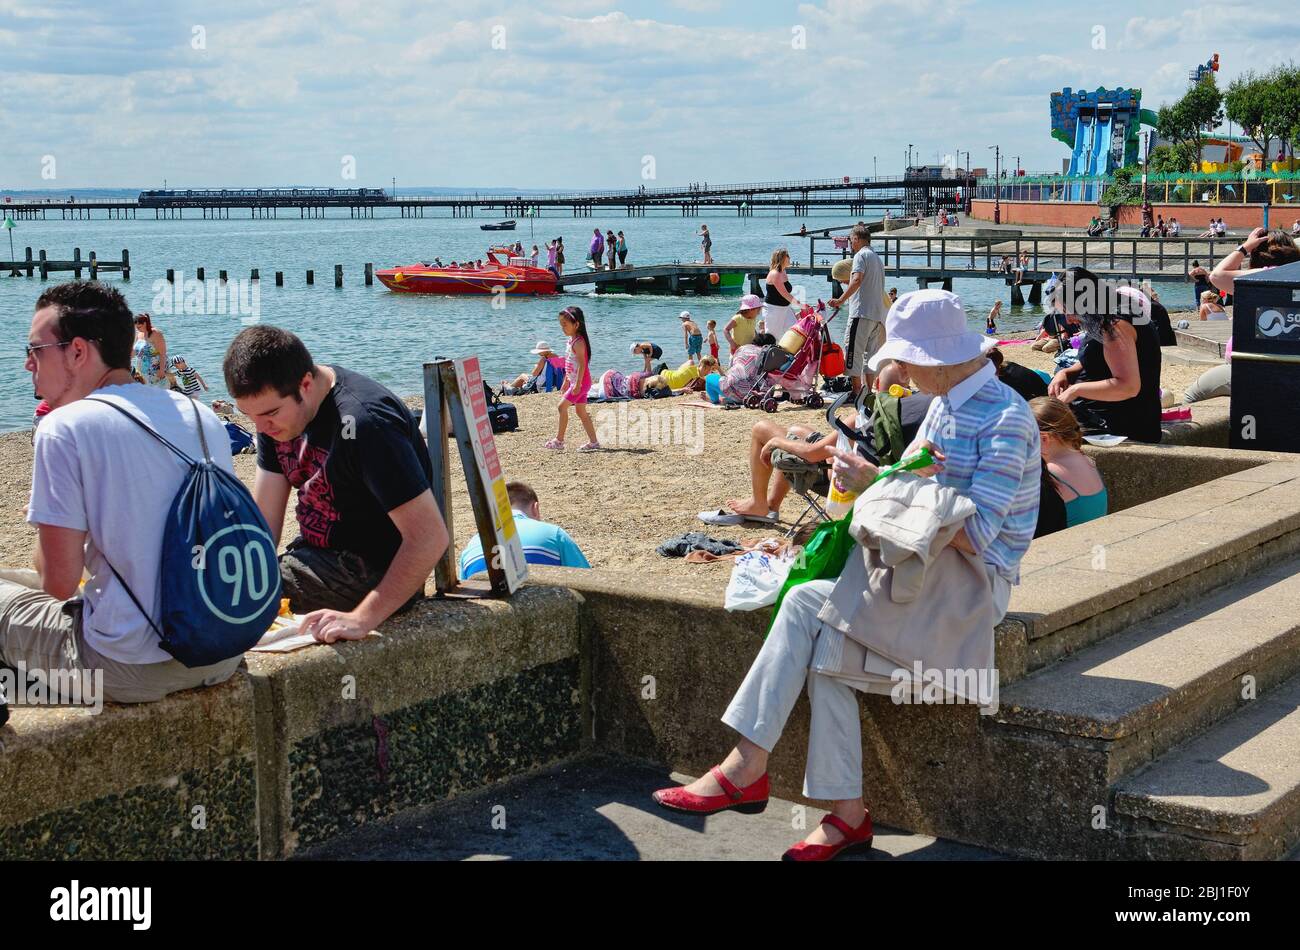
506, 549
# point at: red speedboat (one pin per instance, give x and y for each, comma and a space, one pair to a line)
515, 276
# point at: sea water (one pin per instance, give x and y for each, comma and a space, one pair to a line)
387, 335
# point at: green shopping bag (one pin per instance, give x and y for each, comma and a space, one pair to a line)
824, 556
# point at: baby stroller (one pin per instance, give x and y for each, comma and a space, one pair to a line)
792, 376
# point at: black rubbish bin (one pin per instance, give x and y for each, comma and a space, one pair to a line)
1266, 360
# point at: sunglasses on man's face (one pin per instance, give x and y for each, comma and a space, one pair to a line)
31, 348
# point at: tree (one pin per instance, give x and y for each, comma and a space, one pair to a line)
1254, 103
1171, 158
1286, 80
1188, 119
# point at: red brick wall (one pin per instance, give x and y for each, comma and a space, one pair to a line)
1194, 218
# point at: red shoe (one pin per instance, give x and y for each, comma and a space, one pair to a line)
749, 800
859, 837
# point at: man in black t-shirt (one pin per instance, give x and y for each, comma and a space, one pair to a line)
370, 531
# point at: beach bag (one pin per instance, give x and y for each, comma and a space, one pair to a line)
756, 580
823, 557
220, 587
832, 363
241, 440
503, 415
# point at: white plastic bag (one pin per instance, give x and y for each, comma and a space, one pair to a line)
756, 580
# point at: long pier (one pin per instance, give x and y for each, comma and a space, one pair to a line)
913, 196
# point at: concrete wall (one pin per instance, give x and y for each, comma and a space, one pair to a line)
303, 746
1194, 218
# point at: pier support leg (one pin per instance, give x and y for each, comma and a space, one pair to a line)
1017, 298
1036, 292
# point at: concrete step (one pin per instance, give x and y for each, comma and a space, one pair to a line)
1189, 355
1082, 585
1231, 793
1140, 692
1209, 336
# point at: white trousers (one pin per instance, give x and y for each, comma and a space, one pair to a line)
776, 320
763, 703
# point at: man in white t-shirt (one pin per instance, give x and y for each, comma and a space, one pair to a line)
865, 330
101, 491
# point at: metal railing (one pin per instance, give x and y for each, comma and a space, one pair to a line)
1163, 259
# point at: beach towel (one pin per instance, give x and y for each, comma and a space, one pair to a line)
683, 544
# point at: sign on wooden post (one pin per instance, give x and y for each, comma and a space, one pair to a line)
454, 402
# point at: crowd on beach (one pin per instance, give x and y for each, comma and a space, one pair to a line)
995, 449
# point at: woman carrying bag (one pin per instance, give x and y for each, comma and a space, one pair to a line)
978, 503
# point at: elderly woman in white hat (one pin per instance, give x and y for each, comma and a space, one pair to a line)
985, 443
530, 382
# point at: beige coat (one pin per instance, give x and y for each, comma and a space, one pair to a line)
905, 595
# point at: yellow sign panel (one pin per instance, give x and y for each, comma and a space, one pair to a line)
505, 515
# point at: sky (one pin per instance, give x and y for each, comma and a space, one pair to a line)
573, 94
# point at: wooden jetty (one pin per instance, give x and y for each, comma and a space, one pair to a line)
937, 260
43, 265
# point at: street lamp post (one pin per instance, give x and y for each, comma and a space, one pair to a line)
909, 159
970, 181
873, 167
997, 184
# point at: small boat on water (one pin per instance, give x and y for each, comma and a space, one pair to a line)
515, 276
499, 226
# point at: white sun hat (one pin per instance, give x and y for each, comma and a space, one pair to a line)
928, 328
541, 348
684, 315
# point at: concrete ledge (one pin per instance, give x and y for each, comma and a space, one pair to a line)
1081, 584
125, 784
456, 695
1135, 473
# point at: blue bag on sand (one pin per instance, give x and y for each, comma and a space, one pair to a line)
220, 586
241, 440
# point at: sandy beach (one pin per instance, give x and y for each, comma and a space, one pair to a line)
617, 504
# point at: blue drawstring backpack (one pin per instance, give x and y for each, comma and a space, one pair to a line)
220, 586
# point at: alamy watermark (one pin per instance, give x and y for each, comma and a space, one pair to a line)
21, 685
922, 685
241, 297
630, 424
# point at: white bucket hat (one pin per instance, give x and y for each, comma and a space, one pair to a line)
928, 328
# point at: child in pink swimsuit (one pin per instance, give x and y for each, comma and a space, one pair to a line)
577, 379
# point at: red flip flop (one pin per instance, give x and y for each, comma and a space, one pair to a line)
750, 800
854, 839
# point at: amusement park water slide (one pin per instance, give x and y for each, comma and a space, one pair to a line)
1091, 145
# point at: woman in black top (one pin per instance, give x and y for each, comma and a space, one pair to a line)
1114, 388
